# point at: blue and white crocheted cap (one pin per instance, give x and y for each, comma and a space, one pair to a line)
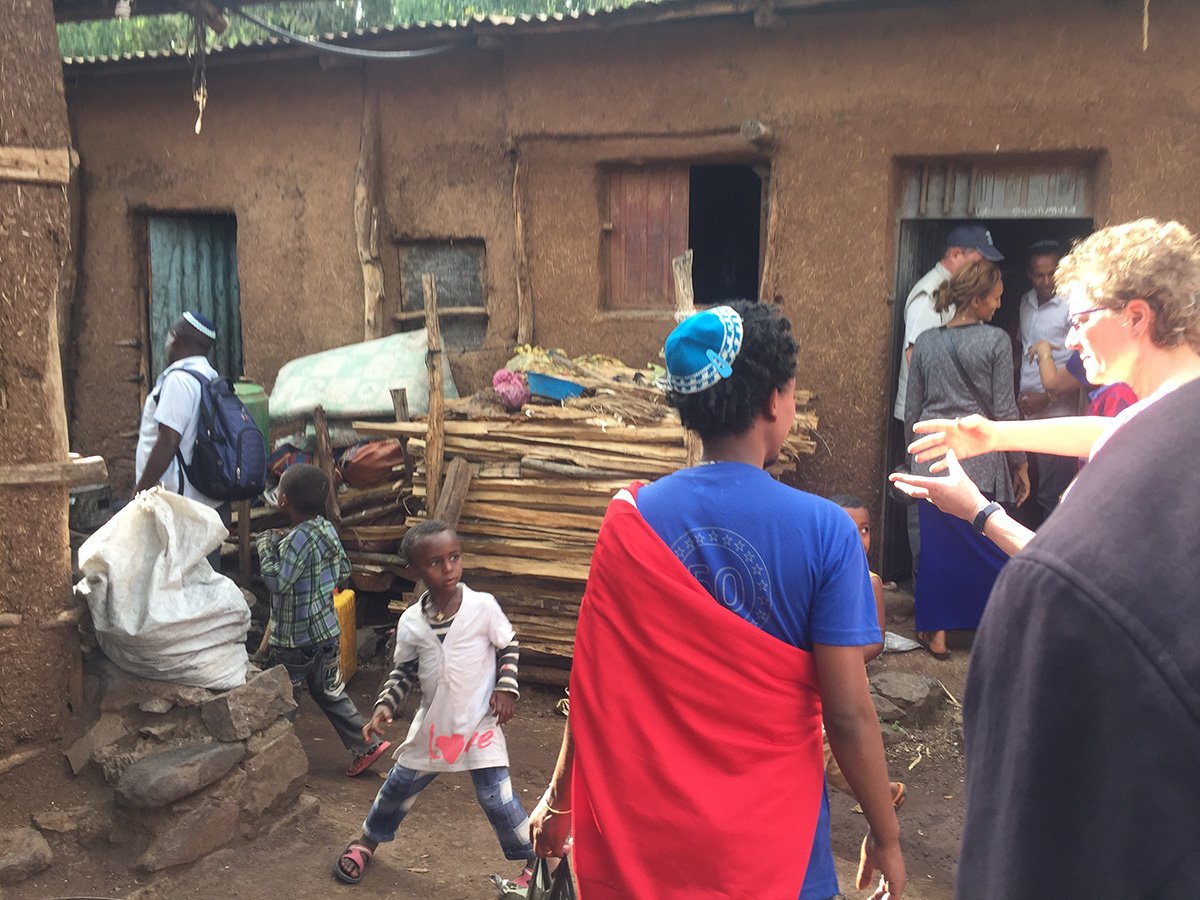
701, 350
201, 323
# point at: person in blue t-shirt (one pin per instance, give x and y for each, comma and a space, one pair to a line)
789, 562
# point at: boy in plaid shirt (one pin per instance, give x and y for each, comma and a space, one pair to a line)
301, 568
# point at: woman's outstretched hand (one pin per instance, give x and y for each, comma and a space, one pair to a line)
969, 436
955, 494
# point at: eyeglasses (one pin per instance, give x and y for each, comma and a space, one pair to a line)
1074, 320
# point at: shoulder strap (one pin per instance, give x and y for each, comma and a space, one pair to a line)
203, 379
962, 373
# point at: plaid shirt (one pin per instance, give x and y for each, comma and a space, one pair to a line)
301, 570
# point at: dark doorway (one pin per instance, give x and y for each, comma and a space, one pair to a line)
921, 244
724, 218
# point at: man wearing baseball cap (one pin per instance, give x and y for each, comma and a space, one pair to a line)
172, 412
965, 243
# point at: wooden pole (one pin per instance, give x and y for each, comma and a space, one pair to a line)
242, 508
524, 289
685, 296
435, 441
400, 406
366, 216
685, 305
325, 462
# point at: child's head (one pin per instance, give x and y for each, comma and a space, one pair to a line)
433, 552
303, 490
724, 364
857, 510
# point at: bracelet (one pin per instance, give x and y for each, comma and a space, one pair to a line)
1045, 356
557, 812
984, 514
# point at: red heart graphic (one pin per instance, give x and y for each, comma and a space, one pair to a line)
451, 747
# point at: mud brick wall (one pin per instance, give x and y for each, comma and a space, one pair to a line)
37, 665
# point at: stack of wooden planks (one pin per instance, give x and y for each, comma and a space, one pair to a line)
542, 479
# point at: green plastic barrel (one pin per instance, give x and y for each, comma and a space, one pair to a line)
257, 404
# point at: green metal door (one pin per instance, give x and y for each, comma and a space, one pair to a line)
193, 266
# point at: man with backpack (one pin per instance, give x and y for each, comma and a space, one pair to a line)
196, 438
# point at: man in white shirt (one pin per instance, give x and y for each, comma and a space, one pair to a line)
171, 415
965, 244
1044, 318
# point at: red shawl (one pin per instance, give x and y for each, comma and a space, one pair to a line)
698, 766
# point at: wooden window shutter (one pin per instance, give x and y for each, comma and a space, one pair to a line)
648, 226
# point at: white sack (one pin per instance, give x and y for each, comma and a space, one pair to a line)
159, 609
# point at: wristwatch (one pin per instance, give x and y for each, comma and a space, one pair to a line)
984, 514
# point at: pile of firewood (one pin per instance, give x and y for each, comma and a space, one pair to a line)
540, 482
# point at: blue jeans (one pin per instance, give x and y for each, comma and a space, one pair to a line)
317, 667
493, 789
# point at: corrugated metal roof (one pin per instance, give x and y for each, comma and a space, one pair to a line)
353, 38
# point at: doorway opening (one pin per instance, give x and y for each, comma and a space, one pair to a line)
192, 265
724, 220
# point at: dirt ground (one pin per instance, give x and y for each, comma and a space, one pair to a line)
447, 850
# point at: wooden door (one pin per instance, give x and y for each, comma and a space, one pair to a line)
647, 227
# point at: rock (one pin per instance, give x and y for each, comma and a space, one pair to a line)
260, 740
236, 714
118, 756
306, 809
160, 705
918, 696
108, 729
191, 836
23, 852
886, 709
169, 775
120, 690
86, 822
275, 776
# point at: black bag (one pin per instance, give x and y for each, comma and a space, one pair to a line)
229, 461
547, 886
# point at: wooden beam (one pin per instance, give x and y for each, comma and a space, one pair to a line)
78, 470
366, 215
453, 496
524, 288
244, 541
400, 407
35, 166
324, 454
435, 440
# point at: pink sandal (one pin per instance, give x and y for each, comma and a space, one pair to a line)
359, 854
364, 762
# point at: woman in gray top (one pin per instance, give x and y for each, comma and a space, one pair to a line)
957, 566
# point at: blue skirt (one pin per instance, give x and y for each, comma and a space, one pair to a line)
956, 571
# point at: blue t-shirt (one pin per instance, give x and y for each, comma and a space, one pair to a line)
786, 561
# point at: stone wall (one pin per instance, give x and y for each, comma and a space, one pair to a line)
190, 769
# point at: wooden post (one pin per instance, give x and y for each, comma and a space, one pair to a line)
366, 216
242, 507
524, 289
41, 666
325, 462
435, 441
685, 305
685, 295
454, 492
769, 250
400, 406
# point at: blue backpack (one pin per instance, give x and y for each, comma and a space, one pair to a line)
229, 461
